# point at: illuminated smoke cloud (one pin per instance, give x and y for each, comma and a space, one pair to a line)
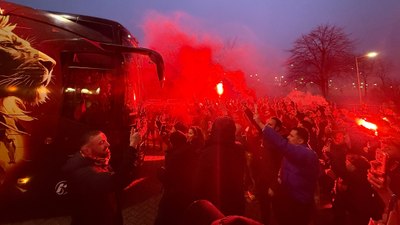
195, 59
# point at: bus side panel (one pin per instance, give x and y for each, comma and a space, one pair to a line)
29, 92
31, 96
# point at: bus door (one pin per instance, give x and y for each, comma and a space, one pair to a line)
93, 96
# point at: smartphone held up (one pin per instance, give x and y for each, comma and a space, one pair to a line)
382, 159
379, 167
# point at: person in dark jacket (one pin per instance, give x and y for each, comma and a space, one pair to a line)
387, 181
177, 180
93, 185
268, 162
355, 201
195, 138
220, 173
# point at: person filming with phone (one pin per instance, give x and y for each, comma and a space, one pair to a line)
94, 185
384, 176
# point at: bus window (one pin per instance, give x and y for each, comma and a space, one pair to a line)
88, 96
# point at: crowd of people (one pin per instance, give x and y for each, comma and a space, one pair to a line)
291, 155
300, 152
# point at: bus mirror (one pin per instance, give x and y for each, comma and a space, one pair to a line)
153, 55
158, 60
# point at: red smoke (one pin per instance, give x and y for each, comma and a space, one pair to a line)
195, 61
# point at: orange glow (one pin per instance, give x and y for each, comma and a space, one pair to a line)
152, 158
220, 88
12, 88
23, 180
366, 124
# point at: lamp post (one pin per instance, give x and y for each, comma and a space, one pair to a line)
369, 55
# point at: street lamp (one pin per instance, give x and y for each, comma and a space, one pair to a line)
369, 55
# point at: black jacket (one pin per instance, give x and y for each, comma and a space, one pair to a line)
94, 189
220, 175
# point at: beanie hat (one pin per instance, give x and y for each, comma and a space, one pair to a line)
180, 126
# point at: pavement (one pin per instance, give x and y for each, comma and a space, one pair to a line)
142, 213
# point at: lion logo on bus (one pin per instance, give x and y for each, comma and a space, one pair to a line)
25, 73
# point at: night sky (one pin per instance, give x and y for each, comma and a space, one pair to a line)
265, 28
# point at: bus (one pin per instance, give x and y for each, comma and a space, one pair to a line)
60, 75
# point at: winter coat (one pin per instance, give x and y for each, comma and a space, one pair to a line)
94, 189
220, 174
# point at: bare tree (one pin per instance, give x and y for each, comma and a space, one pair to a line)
382, 72
390, 86
324, 53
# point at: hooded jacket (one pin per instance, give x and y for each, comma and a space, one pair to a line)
220, 174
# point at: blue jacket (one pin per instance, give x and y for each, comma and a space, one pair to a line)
300, 167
